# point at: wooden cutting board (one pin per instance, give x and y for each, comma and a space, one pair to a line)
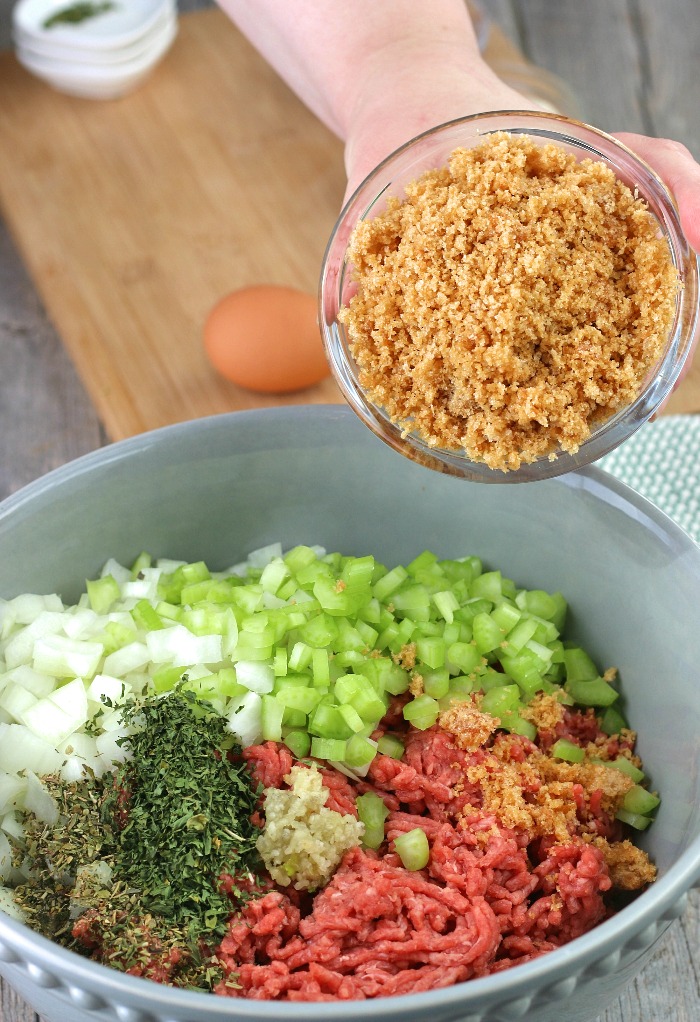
134, 216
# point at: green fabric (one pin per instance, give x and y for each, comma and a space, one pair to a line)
662, 462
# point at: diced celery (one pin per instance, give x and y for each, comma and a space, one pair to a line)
431, 651
145, 616
328, 722
446, 603
424, 560
596, 692
389, 583
272, 711
436, 683
487, 635
298, 698
625, 766
506, 616
413, 848
421, 712
487, 586
299, 557
517, 725
579, 666
569, 751
502, 700
372, 812
538, 602
319, 631
465, 656
413, 602
102, 593
390, 745
359, 751
612, 721
636, 820
352, 718
639, 800
521, 633
522, 670
328, 748
298, 743
320, 668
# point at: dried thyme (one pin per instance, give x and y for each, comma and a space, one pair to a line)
131, 873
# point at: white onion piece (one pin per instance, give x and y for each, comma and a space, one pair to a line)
245, 719
256, 676
178, 645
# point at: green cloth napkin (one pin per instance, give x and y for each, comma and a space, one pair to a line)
662, 462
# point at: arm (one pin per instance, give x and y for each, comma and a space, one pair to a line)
379, 72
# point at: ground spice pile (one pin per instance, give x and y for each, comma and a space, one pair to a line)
510, 302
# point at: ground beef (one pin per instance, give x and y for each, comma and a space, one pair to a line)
515, 870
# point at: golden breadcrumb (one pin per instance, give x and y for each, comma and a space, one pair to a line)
510, 302
544, 711
470, 727
629, 867
406, 656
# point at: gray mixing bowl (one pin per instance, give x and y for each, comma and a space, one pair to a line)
219, 487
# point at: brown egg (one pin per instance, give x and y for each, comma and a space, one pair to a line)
266, 338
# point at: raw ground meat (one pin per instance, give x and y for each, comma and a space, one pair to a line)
490, 897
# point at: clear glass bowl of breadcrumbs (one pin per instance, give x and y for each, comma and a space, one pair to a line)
508, 297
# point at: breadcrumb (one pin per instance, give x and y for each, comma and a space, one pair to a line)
510, 302
469, 725
629, 866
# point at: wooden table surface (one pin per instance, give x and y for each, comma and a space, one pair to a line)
632, 64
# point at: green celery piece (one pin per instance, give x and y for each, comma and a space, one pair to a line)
295, 698
623, 765
596, 692
579, 666
612, 721
520, 634
295, 719
320, 668
422, 712
358, 571
144, 560
320, 630
272, 711
390, 745
389, 583
413, 602
423, 561
636, 820
430, 650
517, 725
102, 593
502, 700
488, 678
274, 574
568, 751
165, 678
446, 604
352, 718
488, 586
436, 683
328, 748
372, 812
465, 656
413, 849
299, 557
359, 751
639, 800
300, 656
506, 615
298, 743
487, 635
145, 616
280, 664
473, 606
327, 722
523, 672
461, 685
537, 602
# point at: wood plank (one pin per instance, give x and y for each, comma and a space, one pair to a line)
135, 216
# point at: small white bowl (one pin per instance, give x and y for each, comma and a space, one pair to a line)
125, 24
45, 46
99, 81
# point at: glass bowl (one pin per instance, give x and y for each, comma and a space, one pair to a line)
431, 150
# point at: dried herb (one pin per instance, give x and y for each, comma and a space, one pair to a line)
78, 12
167, 825
188, 807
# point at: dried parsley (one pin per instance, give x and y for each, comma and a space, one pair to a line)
164, 828
188, 800
78, 12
